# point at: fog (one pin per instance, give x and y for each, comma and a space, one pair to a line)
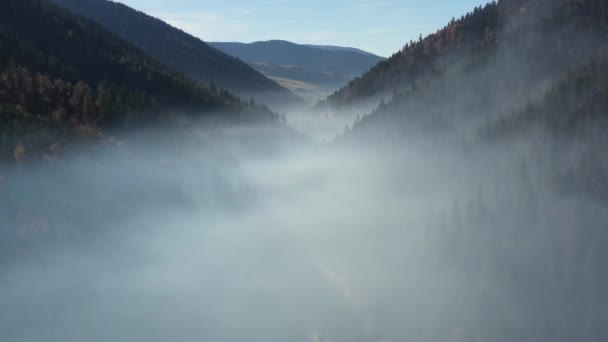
245, 234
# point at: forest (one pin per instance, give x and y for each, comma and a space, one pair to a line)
65, 77
181, 51
526, 27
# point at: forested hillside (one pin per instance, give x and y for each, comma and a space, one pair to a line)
63, 76
571, 118
575, 103
181, 51
517, 91
521, 73
545, 34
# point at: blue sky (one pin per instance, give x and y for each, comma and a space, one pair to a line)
378, 26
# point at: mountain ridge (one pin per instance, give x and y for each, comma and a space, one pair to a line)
471, 39
341, 48
181, 51
322, 68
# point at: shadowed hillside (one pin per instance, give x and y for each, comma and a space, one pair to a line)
65, 77
181, 51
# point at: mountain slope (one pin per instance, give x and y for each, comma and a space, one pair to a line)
537, 32
576, 103
181, 51
514, 77
326, 67
64, 77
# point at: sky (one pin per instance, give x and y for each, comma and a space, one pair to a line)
378, 26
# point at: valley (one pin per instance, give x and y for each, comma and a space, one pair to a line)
157, 187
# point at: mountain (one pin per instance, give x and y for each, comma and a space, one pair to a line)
339, 48
512, 76
573, 104
518, 89
181, 51
309, 71
537, 38
65, 78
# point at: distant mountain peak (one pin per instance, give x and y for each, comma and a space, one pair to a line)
342, 48
311, 72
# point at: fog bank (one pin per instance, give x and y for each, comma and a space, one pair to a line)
216, 240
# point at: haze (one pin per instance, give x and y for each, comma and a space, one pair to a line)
447, 198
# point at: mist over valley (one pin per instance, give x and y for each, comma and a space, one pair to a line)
154, 188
